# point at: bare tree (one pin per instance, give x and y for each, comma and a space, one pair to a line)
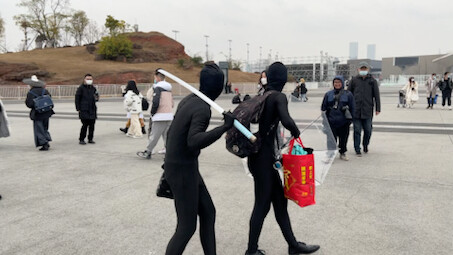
46, 18
2, 34
93, 33
24, 25
78, 24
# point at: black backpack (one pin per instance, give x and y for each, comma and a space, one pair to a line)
145, 104
43, 103
247, 112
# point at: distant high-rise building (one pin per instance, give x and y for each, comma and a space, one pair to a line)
371, 51
353, 50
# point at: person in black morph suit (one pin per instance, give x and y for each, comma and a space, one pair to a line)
186, 137
268, 186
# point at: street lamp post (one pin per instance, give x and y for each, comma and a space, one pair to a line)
229, 55
176, 32
207, 55
248, 65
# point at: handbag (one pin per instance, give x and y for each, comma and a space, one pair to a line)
163, 189
299, 175
145, 104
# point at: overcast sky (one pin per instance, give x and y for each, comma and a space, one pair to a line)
291, 28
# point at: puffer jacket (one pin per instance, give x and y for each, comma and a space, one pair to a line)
162, 107
85, 101
336, 114
133, 102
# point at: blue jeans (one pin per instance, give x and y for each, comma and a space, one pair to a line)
367, 126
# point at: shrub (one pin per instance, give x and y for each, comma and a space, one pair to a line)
197, 60
111, 47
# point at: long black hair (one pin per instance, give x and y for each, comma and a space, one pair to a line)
131, 85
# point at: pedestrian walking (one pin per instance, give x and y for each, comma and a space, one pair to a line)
186, 137
303, 90
133, 105
446, 86
124, 89
40, 116
4, 129
85, 102
366, 96
161, 114
339, 105
268, 185
411, 89
431, 90
262, 82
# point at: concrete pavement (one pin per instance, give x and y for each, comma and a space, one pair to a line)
100, 199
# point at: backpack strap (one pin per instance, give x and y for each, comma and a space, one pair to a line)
33, 93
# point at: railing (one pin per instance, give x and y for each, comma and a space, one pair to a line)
114, 90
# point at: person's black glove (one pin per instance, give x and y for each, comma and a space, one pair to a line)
228, 118
296, 135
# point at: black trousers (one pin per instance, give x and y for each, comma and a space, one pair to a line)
341, 135
268, 190
192, 199
41, 132
87, 124
446, 96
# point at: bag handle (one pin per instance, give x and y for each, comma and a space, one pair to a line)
293, 140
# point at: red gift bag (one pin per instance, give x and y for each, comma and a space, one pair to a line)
299, 174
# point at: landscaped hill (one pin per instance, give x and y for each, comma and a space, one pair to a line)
69, 65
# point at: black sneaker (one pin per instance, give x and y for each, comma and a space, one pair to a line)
365, 149
358, 154
144, 154
258, 252
302, 248
82, 142
124, 130
91, 141
45, 147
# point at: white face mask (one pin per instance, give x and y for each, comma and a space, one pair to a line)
89, 82
264, 81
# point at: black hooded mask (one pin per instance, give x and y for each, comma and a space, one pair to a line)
277, 75
211, 80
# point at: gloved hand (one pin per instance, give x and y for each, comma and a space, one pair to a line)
228, 118
296, 135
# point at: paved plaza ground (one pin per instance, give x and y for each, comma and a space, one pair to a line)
100, 199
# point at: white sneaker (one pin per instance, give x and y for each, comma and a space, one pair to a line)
163, 151
344, 157
443, 107
449, 108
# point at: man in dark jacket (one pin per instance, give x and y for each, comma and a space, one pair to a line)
366, 94
339, 106
40, 119
446, 86
187, 135
85, 102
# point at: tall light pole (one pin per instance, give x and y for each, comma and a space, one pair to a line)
229, 55
207, 56
176, 32
248, 65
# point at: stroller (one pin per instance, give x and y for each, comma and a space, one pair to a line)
402, 99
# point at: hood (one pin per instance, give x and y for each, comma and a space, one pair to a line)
339, 77
163, 84
277, 75
211, 80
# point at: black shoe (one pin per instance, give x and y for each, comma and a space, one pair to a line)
358, 154
143, 131
258, 252
82, 142
124, 130
91, 141
45, 147
302, 248
365, 149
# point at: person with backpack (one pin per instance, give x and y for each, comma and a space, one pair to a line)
339, 105
85, 102
41, 105
161, 114
187, 136
133, 105
268, 185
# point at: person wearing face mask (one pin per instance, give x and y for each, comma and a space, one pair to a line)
339, 106
446, 86
187, 136
431, 90
262, 82
411, 89
85, 102
366, 96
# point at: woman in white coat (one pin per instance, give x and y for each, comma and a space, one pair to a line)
4, 130
133, 105
411, 89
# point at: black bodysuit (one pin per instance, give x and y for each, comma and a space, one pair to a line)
268, 186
